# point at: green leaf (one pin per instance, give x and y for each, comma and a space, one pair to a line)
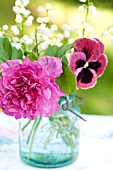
5, 49
58, 51
52, 51
7, 52
33, 56
65, 60
35, 48
66, 80
16, 54
26, 53
63, 49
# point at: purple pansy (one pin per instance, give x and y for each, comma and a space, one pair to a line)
88, 61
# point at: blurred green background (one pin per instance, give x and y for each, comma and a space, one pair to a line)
98, 100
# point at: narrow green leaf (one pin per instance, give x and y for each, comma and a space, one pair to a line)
5, 49
63, 49
33, 56
52, 51
16, 54
65, 60
35, 48
66, 80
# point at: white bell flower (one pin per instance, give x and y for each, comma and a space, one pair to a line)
45, 19
25, 2
42, 47
60, 36
1, 34
18, 18
52, 13
81, 8
26, 13
111, 38
58, 43
66, 34
39, 20
48, 6
54, 27
82, 0
41, 9
18, 3
106, 32
28, 22
32, 36
15, 39
66, 27
16, 9
92, 8
85, 25
22, 10
31, 18
15, 30
17, 45
27, 40
71, 40
111, 30
5, 27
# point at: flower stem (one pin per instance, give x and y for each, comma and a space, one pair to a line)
28, 139
34, 129
104, 30
29, 121
86, 18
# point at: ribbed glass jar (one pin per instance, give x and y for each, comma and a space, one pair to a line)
51, 142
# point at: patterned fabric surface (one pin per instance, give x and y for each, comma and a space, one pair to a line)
96, 145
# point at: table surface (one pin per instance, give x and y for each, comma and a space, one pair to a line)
96, 145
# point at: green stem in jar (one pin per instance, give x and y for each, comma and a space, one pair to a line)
31, 131
34, 129
29, 121
63, 122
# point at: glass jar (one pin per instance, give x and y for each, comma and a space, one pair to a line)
51, 142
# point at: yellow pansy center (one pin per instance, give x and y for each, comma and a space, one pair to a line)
86, 65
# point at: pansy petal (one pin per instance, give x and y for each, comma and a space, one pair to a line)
102, 48
85, 79
89, 46
103, 61
77, 60
94, 65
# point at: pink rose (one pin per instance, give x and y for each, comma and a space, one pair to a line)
28, 89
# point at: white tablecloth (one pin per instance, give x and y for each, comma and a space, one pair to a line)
96, 145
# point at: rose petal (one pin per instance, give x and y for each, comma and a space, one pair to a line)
10, 63
47, 93
54, 109
52, 65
